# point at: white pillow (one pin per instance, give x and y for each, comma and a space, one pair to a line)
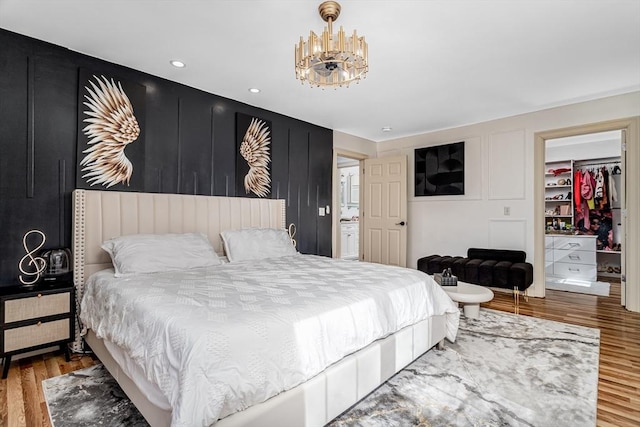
152, 253
257, 243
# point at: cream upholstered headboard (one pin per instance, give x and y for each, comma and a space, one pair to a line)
102, 215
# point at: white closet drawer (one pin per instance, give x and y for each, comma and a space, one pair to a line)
575, 257
548, 269
548, 242
575, 271
548, 260
575, 243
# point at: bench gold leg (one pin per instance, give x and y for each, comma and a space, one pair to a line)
516, 300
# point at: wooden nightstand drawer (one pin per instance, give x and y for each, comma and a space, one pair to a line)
38, 306
34, 318
34, 335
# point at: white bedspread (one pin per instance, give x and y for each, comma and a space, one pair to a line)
220, 339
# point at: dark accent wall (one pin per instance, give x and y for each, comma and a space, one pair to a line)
190, 148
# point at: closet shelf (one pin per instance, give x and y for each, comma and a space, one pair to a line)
558, 216
600, 251
558, 186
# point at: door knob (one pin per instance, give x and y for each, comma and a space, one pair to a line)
402, 223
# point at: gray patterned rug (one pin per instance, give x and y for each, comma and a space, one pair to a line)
89, 397
503, 370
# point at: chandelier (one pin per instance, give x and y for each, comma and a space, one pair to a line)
331, 59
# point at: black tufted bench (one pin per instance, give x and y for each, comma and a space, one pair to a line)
499, 268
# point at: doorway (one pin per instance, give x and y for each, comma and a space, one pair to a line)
349, 173
630, 269
584, 197
347, 199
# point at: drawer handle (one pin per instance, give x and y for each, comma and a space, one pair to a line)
574, 257
573, 245
574, 269
39, 324
39, 295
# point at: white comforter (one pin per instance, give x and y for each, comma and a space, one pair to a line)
220, 339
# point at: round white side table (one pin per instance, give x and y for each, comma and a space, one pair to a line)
470, 296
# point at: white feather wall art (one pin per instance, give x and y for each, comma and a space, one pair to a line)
111, 127
255, 150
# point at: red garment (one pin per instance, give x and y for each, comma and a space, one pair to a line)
577, 179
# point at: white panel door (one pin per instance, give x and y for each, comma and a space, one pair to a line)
385, 211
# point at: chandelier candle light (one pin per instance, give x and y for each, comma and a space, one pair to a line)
331, 59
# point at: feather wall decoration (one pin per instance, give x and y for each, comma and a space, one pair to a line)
111, 126
255, 150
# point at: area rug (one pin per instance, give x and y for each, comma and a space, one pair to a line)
89, 397
503, 370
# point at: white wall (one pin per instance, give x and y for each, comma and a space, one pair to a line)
603, 148
499, 174
355, 144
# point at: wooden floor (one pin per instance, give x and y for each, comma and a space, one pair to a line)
22, 402
619, 373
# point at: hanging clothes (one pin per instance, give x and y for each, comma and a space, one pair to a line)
613, 193
592, 177
604, 201
586, 189
598, 191
577, 181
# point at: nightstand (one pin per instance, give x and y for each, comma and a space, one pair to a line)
35, 317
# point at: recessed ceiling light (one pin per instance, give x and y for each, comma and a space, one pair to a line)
254, 90
177, 64
386, 129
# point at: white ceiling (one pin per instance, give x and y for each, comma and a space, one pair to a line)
433, 64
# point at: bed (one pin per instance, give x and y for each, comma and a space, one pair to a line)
318, 386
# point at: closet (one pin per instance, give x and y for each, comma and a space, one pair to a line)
583, 222
558, 203
601, 213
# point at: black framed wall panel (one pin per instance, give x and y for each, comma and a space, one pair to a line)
279, 162
224, 147
320, 150
14, 78
195, 144
55, 95
297, 188
161, 169
190, 147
